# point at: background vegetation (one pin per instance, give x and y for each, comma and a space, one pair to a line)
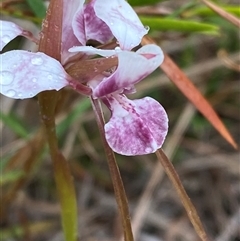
206, 47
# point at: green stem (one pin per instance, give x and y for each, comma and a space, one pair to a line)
62, 173
115, 175
50, 44
191, 211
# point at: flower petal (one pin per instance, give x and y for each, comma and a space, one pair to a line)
8, 31
94, 51
78, 25
95, 28
136, 127
87, 25
24, 74
122, 20
132, 68
68, 38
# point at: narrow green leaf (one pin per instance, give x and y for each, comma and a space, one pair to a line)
179, 11
11, 176
21, 15
164, 24
206, 11
67, 196
37, 7
143, 2
14, 124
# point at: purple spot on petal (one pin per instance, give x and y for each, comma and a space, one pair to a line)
136, 127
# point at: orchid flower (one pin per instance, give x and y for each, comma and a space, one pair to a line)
136, 127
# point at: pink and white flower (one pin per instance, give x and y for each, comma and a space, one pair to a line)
136, 127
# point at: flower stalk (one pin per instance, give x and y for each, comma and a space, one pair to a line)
119, 191
174, 178
51, 33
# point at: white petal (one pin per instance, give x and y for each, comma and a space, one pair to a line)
136, 127
132, 68
78, 25
8, 31
68, 38
122, 20
24, 74
94, 51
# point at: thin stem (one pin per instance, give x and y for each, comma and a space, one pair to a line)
191, 211
62, 173
115, 175
50, 44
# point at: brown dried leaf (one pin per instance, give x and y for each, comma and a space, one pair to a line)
24, 159
231, 18
185, 85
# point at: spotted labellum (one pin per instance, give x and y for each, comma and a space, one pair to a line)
136, 127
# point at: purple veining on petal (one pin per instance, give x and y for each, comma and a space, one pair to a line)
122, 20
24, 74
8, 31
154, 114
68, 37
86, 25
136, 127
95, 28
78, 25
132, 68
